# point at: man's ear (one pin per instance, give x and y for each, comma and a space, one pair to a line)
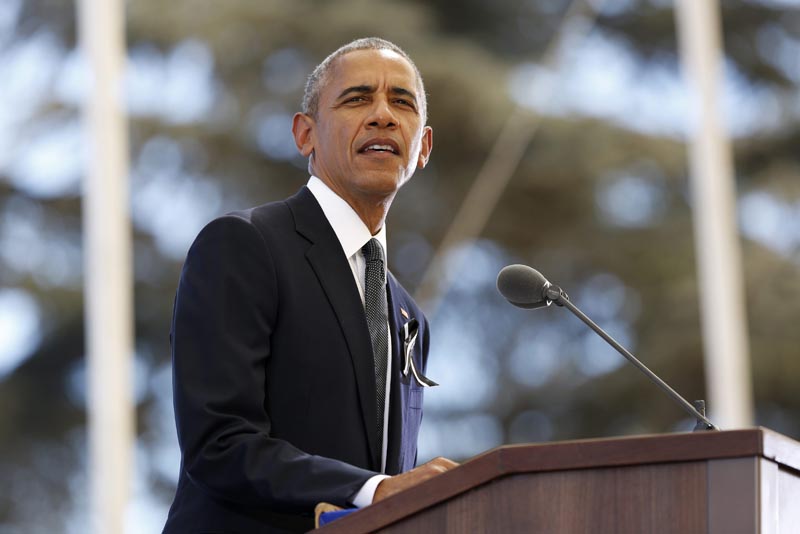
426, 147
303, 132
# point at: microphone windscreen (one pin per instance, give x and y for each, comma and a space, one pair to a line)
523, 286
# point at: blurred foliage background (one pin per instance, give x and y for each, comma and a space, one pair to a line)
599, 203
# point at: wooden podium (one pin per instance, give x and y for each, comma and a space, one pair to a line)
739, 481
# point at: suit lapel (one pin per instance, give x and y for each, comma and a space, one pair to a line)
336, 278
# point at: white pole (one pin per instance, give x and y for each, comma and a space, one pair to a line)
107, 262
718, 253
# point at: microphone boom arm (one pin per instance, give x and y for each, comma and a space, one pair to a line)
555, 294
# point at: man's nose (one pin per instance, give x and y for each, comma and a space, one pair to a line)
382, 115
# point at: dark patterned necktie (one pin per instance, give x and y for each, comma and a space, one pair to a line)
377, 319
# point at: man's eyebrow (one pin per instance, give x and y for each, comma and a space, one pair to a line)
360, 89
405, 92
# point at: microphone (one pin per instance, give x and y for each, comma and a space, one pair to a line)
523, 286
527, 288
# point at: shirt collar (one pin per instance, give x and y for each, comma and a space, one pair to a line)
347, 225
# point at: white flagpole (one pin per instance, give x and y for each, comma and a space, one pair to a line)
107, 262
724, 322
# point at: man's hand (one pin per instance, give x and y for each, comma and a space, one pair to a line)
398, 483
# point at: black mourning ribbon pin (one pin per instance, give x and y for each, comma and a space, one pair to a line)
410, 332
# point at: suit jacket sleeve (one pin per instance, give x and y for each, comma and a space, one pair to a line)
225, 311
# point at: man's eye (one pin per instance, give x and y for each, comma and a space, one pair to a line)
356, 99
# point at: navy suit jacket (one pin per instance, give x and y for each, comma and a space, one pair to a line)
273, 374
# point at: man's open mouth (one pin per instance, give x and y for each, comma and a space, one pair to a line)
385, 146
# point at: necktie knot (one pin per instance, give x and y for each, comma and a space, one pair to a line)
373, 251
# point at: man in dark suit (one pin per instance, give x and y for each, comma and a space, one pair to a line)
298, 360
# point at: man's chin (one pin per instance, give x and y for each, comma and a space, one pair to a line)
382, 182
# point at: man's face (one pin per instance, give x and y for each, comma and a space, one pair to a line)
368, 137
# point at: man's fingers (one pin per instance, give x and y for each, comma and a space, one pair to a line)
438, 465
430, 469
442, 464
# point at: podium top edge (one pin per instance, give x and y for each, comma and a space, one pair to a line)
648, 448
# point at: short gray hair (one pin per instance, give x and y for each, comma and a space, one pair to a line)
319, 76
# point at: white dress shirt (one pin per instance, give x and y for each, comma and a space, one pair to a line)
353, 234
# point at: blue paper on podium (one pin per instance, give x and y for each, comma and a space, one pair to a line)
327, 517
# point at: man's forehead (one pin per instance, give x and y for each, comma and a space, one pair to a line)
360, 67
